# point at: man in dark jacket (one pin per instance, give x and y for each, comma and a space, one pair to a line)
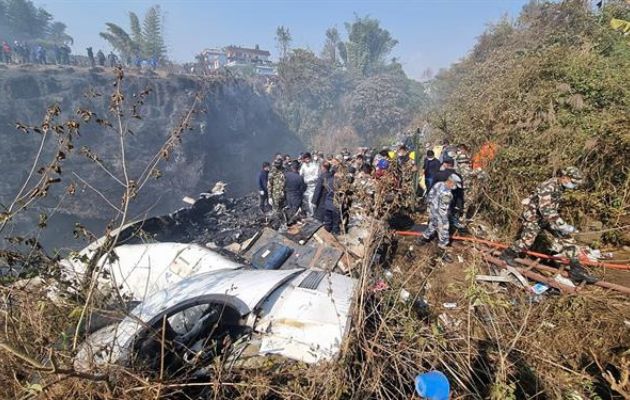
294, 189
263, 194
431, 168
457, 205
324, 200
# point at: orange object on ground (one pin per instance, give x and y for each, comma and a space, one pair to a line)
486, 154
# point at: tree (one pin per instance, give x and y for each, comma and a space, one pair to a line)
119, 39
153, 42
379, 105
146, 41
283, 41
330, 50
368, 46
25, 21
57, 34
136, 30
21, 20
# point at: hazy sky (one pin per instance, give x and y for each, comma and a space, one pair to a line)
431, 33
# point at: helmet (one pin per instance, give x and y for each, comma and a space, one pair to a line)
574, 174
382, 164
456, 180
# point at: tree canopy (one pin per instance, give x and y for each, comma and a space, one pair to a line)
21, 20
146, 41
351, 92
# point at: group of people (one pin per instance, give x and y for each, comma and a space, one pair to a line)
325, 188
100, 59
24, 53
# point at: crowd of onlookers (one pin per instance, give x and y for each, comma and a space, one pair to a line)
28, 53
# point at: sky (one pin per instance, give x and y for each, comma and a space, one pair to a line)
432, 34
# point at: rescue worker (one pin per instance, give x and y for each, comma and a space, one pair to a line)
324, 197
100, 57
465, 171
309, 171
294, 190
6, 52
320, 193
90, 55
431, 167
457, 205
541, 213
276, 186
448, 150
263, 178
439, 202
405, 171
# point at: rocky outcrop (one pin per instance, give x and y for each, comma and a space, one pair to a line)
234, 130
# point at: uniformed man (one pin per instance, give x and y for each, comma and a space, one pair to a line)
541, 213
439, 203
276, 186
464, 169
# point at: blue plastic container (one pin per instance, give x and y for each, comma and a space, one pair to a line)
433, 385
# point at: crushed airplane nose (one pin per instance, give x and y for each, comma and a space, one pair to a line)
303, 315
208, 305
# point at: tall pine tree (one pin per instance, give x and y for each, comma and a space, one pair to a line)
153, 43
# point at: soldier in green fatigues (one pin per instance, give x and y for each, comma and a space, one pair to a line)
275, 186
541, 213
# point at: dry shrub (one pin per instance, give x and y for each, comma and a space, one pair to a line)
551, 89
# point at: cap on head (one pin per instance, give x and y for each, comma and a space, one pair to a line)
456, 180
574, 174
382, 164
449, 161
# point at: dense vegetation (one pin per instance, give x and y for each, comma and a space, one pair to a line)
351, 93
551, 88
21, 20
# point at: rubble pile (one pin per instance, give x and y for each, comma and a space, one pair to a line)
216, 220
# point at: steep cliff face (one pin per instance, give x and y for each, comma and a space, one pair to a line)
234, 130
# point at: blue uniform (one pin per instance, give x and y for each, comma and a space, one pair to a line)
439, 202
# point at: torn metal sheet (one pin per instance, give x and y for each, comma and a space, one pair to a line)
309, 321
139, 270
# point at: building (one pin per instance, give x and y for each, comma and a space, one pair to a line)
244, 56
215, 58
245, 59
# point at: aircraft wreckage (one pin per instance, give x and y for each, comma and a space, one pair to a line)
197, 293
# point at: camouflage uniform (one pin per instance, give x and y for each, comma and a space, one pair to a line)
407, 195
541, 212
439, 201
275, 186
464, 169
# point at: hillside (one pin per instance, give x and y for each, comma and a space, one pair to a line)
551, 89
233, 130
